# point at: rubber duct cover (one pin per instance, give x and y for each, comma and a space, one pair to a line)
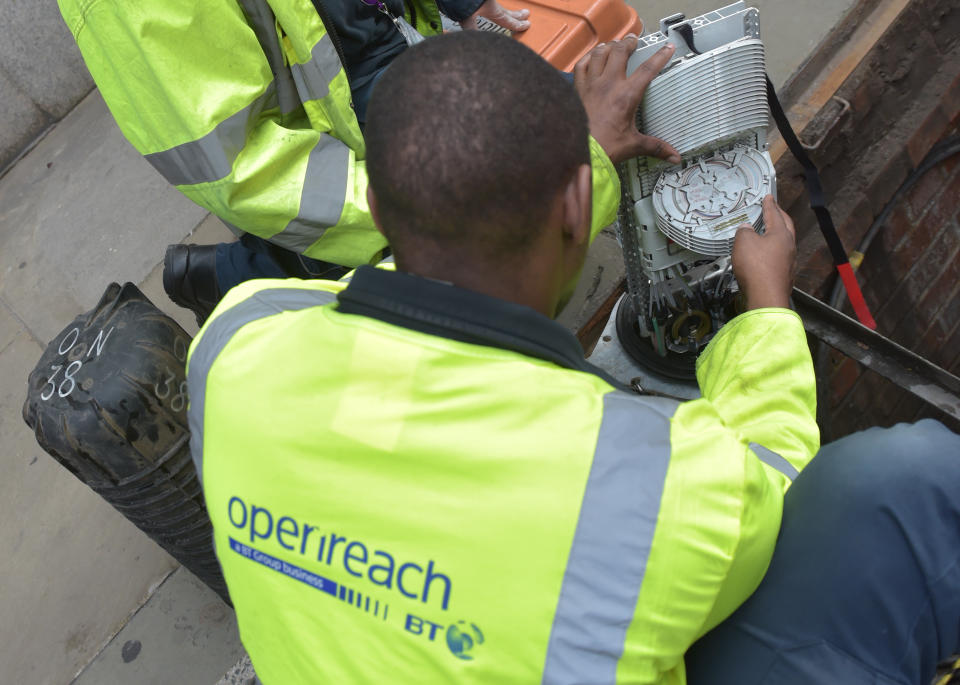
108, 401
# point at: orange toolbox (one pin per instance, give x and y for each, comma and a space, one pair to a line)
563, 31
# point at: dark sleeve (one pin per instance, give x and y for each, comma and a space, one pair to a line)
458, 10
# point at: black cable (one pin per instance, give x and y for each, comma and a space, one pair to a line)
941, 151
944, 149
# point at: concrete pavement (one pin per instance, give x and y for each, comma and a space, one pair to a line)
83, 209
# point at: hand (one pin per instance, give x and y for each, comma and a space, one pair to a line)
513, 20
611, 99
764, 264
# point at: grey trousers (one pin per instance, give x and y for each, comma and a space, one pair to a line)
864, 585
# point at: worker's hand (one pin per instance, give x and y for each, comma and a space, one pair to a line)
512, 20
764, 264
611, 99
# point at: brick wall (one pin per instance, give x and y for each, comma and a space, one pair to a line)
904, 98
911, 275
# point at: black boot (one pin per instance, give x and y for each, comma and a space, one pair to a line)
190, 278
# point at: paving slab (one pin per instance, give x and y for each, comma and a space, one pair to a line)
73, 569
22, 120
80, 210
9, 326
39, 54
790, 30
184, 634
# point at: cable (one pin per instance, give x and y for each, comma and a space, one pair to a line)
944, 149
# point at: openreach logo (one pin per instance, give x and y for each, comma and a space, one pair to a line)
353, 572
462, 638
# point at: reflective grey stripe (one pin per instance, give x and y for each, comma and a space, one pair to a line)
771, 458
612, 541
313, 78
260, 305
321, 198
210, 158
264, 25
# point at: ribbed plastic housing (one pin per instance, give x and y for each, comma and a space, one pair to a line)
701, 207
108, 401
708, 98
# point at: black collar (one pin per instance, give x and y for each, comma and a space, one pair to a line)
444, 310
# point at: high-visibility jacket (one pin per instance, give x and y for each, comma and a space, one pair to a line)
244, 106
414, 483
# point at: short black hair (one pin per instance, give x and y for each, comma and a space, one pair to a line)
470, 136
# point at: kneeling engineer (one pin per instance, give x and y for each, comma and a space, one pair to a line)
415, 477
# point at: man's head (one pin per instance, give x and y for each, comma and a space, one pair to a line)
478, 157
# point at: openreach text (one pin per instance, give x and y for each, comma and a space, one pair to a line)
412, 580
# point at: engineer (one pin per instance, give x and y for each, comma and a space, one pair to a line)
254, 110
415, 477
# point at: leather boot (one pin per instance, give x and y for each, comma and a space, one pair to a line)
190, 278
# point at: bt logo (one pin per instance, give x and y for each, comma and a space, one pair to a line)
462, 637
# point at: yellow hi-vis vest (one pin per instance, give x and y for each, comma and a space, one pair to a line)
245, 107
414, 483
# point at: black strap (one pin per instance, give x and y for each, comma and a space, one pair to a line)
686, 32
818, 201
